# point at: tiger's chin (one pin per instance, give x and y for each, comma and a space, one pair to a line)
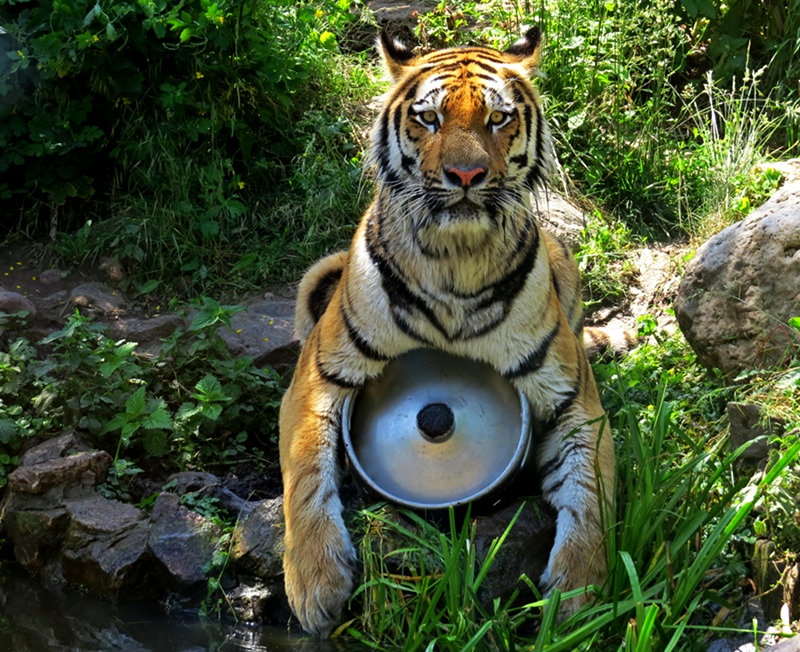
461, 229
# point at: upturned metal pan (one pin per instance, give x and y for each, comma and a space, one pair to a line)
437, 430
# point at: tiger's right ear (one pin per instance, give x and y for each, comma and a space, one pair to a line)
395, 54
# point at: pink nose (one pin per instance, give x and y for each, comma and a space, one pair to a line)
465, 178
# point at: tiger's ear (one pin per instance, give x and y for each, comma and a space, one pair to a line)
527, 49
397, 57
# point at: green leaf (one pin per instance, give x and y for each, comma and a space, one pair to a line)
187, 411
94, 12
155, 443
186, 34
212, 412
128, 430
210, 389
116, 423
135, 404
8, 429
159, 419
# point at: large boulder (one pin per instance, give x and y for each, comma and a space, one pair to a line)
742, 287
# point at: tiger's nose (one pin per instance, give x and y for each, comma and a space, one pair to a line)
464, 178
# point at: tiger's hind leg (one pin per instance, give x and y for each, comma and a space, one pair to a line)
316, 290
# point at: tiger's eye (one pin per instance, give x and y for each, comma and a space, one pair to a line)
429, 117
496, 118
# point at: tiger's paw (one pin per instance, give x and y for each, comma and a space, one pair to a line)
568, 570
319, 579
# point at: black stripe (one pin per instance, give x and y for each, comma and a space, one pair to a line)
465, 52
520, 159
320, 296
553, 465
360, 342
397, 290
335, 378
566, 404
384, 130
554, 279
507, 288
536, 175
404, 326
534, 360
485, 66
554, 488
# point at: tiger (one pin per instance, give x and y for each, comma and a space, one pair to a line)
447, 256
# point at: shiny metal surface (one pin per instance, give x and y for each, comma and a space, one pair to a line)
486, 443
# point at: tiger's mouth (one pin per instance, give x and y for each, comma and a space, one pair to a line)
463, 210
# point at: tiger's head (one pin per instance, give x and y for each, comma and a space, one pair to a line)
461, 139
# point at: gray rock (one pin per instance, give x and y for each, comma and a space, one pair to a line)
742, 286
14, 302
264, 331
182, 541
206, 485
747, 424
98, 298
54, 306
256, 601
83, 469
51, 276
144, 330
559, 216
190, 481
52, 448
105, 549
36, 535
257, 543
788, 645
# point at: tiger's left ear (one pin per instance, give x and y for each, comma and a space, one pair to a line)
397, 57
527, 49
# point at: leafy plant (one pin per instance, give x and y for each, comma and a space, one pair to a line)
140, 407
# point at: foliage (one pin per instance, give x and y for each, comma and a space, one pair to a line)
192, 405
604, 261
425, 592
177, 119
631, 115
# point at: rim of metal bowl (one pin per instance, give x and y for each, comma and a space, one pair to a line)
517, 461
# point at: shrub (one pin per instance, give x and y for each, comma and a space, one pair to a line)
175, 118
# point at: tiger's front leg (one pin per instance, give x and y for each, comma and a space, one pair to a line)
319, 557
577, 471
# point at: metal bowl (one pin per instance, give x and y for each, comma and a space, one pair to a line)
436, 430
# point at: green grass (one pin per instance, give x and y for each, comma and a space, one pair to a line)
677, 543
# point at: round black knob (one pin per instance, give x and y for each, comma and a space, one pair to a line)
435, 421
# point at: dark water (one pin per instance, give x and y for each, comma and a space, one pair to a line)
37, 618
